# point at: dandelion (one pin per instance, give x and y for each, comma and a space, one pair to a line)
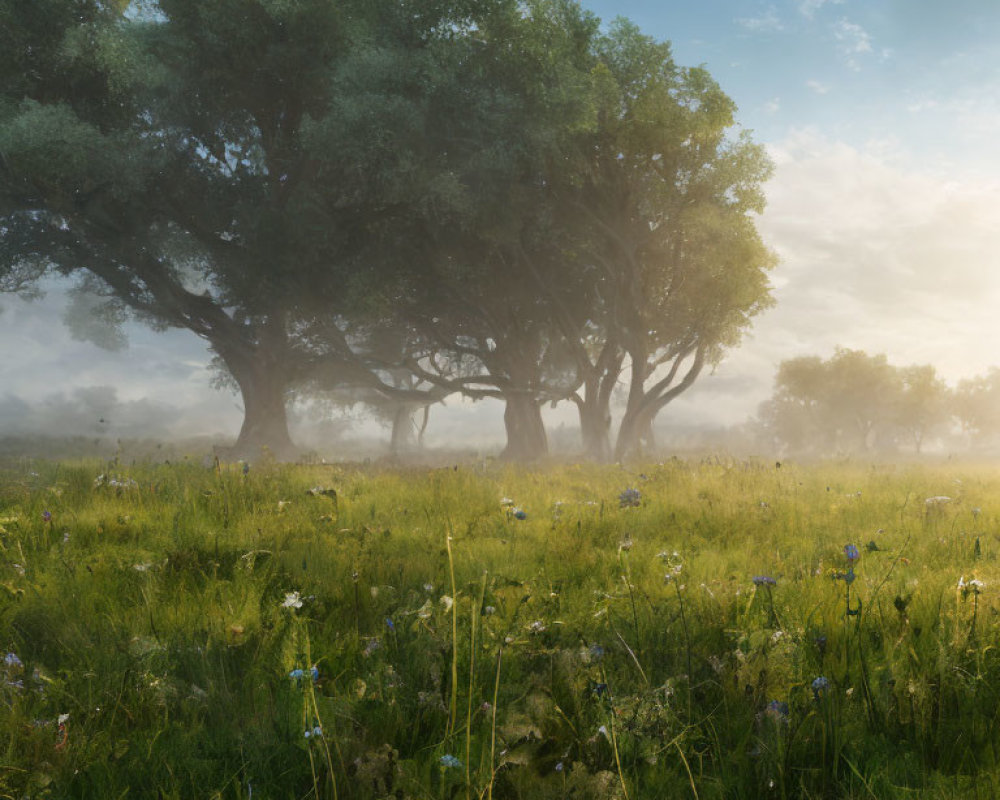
292, 600
450, 762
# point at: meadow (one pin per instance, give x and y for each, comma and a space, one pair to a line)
714, 629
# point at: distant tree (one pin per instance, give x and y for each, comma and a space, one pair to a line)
977, 406
854, 402
924, 406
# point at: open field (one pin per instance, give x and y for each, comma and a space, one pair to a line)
331, 631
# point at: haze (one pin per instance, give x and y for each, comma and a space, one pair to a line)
884, 210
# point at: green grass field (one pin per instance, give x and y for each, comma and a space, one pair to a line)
176, 631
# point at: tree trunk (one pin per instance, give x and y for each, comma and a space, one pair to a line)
595, 428
526, 439
403, 435
636, 425
265, 420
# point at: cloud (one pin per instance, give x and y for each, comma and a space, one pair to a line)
808, 8
769, 21
773, 105
853, 40
816, 86
880, 257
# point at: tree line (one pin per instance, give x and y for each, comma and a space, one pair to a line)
854, 402
402, 200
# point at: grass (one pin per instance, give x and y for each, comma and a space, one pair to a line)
590, 650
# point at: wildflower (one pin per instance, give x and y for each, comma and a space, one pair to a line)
47, 516
315, 732
447, 602
390, 624
764, 580
777, 711
603, 730
11, 660
371, 646
629, 498
537, 626
449, 761
820, 685
296, 674
490, 610
519, 513
314, 671
600, 688
292, 600
937, 500
246, 468
851, 553
626, 543
559, 767
506, 502
428, 587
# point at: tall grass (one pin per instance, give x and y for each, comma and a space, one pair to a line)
445, 648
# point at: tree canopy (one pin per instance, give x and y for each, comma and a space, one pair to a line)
535, 208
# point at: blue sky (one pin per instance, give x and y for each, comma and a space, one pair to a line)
882, 119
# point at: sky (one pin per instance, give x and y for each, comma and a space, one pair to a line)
881, 118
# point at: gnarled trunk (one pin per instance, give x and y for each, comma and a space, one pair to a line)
526, 439
265, 420
403, 433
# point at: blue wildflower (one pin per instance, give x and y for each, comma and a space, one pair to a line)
11, 660
600, 688
390, 624
851, 552
819, 685
314, 671
764, 580
47, 516
629, 498
519, 513
296, 674
450, 761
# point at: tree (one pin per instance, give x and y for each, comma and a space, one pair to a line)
854, 402
977, 406
212, 164
668, 197
924, 406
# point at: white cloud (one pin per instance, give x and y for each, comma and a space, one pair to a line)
816, 86
769, 21
773, 105
879, 257
853, 41
809, 7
